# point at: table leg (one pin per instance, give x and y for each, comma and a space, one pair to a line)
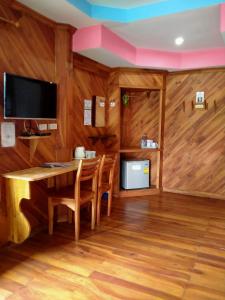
16, 190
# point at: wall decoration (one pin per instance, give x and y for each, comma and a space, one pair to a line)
87, 112
8, 134
200, 100
98, 112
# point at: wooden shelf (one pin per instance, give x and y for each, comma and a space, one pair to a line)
139, 192
102, 138
33, 137
33, 140
136, 150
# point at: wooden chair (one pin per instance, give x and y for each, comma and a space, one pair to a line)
73, 197
105, 182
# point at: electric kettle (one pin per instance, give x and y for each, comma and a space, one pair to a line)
79, 152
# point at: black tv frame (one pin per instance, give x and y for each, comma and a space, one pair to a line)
30, 79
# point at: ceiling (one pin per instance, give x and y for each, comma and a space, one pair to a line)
124, 3
200, 29
156, 24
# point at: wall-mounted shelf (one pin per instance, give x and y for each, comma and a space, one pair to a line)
101, 138
136, 150
33, 140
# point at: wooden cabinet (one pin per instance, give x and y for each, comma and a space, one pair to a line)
143, 114
98, 111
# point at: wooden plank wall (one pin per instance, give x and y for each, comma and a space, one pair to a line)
41, 49
128, 78
194, 154
90, 79
140, 116
30, 51
136, 79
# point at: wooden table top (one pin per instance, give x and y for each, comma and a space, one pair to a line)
39, 173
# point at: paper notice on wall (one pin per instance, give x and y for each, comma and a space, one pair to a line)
87, 117
8, 134
87, 104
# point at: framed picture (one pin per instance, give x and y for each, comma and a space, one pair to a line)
200, 100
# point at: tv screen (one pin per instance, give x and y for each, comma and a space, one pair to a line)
26, 98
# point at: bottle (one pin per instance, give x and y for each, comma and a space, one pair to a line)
144, 141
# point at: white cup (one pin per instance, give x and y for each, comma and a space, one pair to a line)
154, 145
90, 154
149, 143
93, 154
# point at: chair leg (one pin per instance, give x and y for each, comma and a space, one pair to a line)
50, 216
99, 208
77, 224
109, 203
70, 216
93, 215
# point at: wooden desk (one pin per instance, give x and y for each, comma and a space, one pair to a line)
18, 188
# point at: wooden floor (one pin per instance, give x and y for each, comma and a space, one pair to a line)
158, 247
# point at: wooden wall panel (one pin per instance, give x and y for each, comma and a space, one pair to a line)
86, 84
29, 51
140, 79
38, 48
113, 117
194, 156
139, 117
136, 117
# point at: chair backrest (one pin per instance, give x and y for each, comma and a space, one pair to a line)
87, 170
107, 169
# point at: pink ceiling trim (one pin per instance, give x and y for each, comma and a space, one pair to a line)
88, 37
203, 59
100, 37
222, 17
157, 59
222, 20
118, 46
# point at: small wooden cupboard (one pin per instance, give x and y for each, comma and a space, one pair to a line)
139, 112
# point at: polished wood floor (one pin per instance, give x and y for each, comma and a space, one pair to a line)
158, 247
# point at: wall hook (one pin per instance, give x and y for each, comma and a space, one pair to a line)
215, 105
184, 106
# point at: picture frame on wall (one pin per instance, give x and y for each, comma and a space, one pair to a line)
200, 100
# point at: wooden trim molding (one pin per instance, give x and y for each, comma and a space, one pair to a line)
138, 70
89, 65
195, 193
205, 70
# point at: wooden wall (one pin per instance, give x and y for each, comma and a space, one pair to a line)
194, 154
129, 78
90, 79
41, 49
139, 117
28, 50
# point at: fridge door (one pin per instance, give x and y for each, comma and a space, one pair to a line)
135, 174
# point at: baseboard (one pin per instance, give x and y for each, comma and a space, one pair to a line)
195, 193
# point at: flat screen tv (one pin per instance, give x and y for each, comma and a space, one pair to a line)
26, 98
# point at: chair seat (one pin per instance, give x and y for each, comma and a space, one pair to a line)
65, 196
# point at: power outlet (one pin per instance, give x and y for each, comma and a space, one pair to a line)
52, 126
42, 126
